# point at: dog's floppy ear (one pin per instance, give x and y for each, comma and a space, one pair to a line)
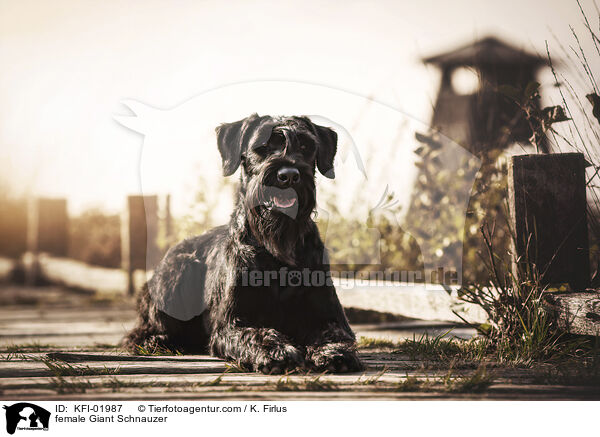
326, 150
229, 140
232, 139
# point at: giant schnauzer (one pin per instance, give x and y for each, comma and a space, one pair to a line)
258, 291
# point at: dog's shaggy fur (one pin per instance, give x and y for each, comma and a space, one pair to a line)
274, 327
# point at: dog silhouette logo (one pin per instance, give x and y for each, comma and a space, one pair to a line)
26, 416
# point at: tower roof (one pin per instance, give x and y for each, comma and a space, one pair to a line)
488, 50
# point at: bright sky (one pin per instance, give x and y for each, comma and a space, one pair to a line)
67, 64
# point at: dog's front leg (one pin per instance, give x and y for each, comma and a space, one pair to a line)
334, 350
258, 349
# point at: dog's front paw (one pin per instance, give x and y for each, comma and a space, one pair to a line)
279, 359
140, 343
334, 357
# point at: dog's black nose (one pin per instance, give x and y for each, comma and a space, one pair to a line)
287, 176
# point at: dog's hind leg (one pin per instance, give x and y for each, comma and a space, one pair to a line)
258, 349
149, 335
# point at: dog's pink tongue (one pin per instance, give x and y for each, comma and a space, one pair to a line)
283, 202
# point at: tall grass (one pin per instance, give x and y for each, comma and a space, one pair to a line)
521, 330
578, 93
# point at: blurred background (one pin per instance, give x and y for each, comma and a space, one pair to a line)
108, 110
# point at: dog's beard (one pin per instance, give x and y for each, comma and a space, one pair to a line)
279, 218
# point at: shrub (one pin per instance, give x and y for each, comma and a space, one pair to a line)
95, 238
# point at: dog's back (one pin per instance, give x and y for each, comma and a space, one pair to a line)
175, 299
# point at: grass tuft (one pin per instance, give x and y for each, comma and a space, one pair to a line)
63, 385
62, 368
372, 380
27, 347
477, 382
141, 350
212, 383
410, 384
375, 343
315, 384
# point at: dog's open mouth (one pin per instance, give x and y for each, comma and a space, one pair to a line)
283, 201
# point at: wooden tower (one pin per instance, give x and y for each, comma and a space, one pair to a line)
478, 116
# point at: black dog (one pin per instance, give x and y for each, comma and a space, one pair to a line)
257, 292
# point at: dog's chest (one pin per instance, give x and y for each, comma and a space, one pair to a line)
283, 298
289, 308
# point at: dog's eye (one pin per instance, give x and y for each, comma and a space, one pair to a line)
262, 150
306, 148
277, 140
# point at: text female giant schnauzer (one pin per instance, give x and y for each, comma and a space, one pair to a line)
237, 290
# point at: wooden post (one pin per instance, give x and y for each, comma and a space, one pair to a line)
49, 227
139, 231
547, 197
168, 220
13, 228
48, 232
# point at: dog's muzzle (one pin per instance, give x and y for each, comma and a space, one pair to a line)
283, 196
283, 187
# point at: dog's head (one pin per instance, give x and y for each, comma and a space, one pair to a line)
278, 157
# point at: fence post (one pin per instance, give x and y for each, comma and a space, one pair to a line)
13, 228
547, 198
48, 232
168, 219
139, 231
